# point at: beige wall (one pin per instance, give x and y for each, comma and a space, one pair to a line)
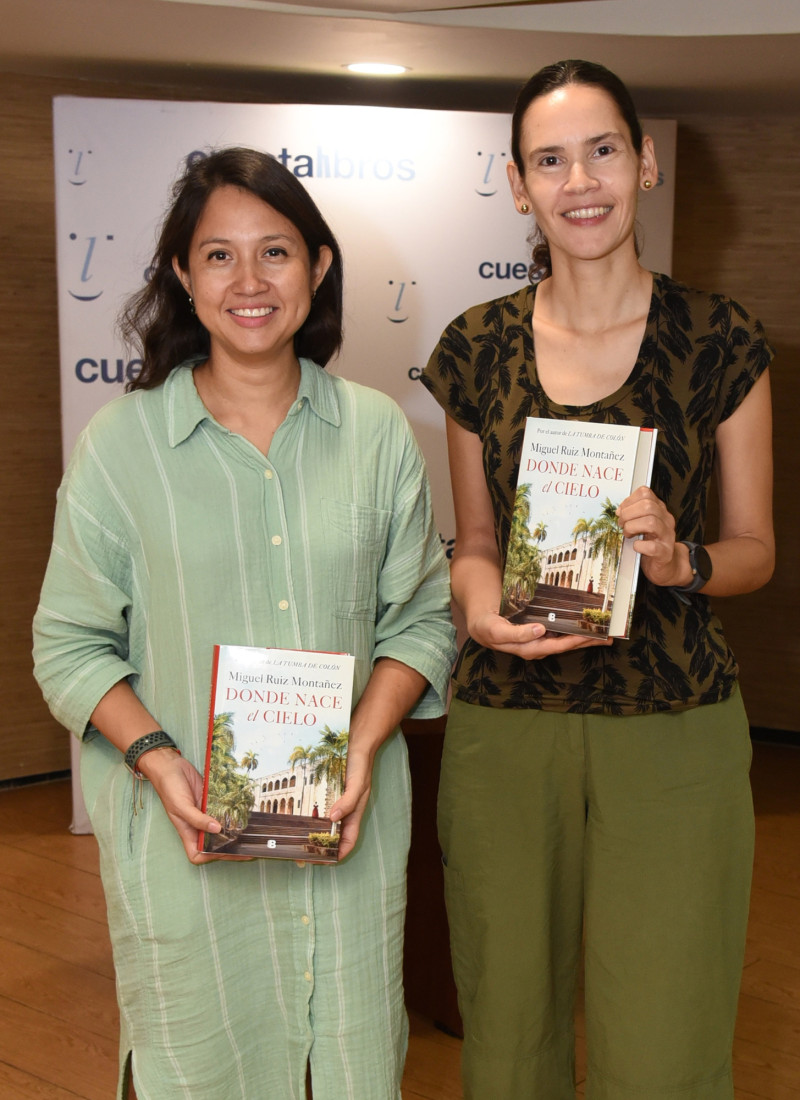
736, 224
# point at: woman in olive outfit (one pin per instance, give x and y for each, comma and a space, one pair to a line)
595, 787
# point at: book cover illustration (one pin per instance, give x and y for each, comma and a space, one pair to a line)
567, 564
277, 749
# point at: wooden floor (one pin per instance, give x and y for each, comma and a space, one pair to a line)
58, 1024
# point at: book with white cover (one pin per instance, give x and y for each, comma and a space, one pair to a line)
568, 565
276, 757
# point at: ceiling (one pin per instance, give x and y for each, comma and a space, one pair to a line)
460, 52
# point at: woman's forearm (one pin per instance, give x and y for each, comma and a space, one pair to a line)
476, 581
121, 717
391, 692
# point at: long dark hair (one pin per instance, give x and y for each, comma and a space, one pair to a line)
548, 80
159, 320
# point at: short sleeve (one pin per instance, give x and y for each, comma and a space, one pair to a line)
450, 375
750, 355
732, 354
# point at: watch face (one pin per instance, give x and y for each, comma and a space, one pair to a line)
702, 562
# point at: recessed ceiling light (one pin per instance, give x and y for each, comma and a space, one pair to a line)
376, 68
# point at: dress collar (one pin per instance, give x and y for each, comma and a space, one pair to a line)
184, 410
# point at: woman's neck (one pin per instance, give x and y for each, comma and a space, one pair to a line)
587, 331
594, 297
250, 400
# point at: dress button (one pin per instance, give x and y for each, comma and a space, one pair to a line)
284, 605
307, 975
305, 920
276, 540
268, 475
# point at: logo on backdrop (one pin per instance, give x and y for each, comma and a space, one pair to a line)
400, 301
336, 164
110, 371
80, 162
492, 169
502, 269
87, 260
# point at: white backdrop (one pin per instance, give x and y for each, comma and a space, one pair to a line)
418, 200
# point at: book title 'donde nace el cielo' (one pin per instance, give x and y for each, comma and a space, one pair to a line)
568, 565
276, 757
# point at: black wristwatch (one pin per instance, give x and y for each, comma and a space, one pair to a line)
702, 568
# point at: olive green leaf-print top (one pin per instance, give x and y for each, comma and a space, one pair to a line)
700, 356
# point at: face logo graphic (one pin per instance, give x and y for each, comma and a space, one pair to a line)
79, 163
492, 168
399, 313
86, 259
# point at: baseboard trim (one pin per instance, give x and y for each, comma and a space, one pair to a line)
29, 780
775, 737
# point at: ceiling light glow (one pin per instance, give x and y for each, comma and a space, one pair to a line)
376, 68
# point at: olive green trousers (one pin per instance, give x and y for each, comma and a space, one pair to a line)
635, 834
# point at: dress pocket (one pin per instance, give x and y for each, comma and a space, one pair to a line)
355, 547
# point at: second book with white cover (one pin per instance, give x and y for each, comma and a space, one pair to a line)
568, 565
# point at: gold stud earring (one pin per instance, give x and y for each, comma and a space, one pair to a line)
647, 184
524, 209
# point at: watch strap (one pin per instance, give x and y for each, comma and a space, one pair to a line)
698, 578
156, 740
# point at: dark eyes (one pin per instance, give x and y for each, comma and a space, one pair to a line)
274, 252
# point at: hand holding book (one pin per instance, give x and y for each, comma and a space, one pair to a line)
391, 692
531, 641
664, 561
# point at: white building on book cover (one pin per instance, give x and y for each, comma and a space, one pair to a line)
567, 564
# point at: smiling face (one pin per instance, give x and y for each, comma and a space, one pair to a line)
251, 279
581, 173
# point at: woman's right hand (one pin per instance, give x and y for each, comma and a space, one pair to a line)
530, 641
476, 573
180, 787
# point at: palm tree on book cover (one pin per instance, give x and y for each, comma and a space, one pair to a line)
230, 797
523, 568
327, 760
302, 754
250, 760
605, 539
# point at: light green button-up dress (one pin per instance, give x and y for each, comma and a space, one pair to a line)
172, 534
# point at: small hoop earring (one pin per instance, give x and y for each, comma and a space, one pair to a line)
524, 209
647, 184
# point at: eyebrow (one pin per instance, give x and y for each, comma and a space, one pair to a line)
589, 141
226, 240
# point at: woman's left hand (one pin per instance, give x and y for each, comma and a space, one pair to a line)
391, 692
349, 809
644, 516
